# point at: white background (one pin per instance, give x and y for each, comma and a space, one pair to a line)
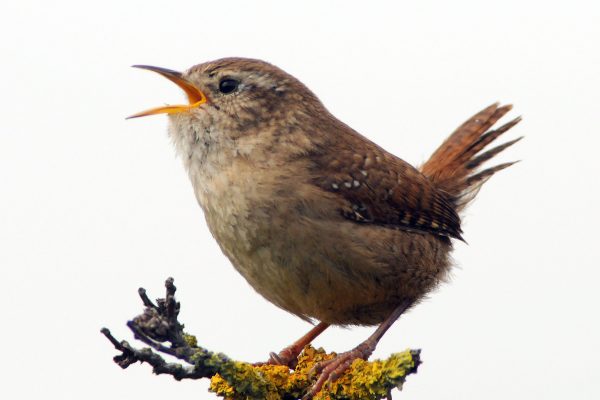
93, 206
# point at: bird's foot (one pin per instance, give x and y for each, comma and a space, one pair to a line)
287, 356
332, 369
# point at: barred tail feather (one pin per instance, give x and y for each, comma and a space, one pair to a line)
453, 167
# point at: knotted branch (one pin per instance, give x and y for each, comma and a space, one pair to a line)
158, 327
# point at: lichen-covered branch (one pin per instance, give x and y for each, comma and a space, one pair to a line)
159, 328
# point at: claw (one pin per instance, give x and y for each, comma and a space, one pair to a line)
289, 355
275, 359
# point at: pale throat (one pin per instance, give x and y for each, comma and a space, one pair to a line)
206, 154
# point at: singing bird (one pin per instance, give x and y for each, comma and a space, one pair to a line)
317, 218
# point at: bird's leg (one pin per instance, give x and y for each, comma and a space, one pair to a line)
289, 355
332, 369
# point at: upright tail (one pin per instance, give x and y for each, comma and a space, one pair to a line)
453, 167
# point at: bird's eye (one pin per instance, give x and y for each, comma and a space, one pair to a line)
227, 85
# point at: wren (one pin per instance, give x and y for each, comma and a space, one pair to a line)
318, 219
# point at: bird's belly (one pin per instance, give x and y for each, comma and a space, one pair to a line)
333, 271
317, 290
306, 258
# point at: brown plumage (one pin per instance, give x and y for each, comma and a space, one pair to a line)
318, 219
453, 166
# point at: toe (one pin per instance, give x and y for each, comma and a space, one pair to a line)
331, 370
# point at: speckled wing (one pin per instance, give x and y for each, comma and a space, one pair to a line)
375, 187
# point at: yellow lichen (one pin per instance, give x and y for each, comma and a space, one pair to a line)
371, 380
363, 380
220, 387
190, 340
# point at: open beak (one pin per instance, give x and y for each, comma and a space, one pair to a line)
195, 96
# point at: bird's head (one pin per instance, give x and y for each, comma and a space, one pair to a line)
236, 96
